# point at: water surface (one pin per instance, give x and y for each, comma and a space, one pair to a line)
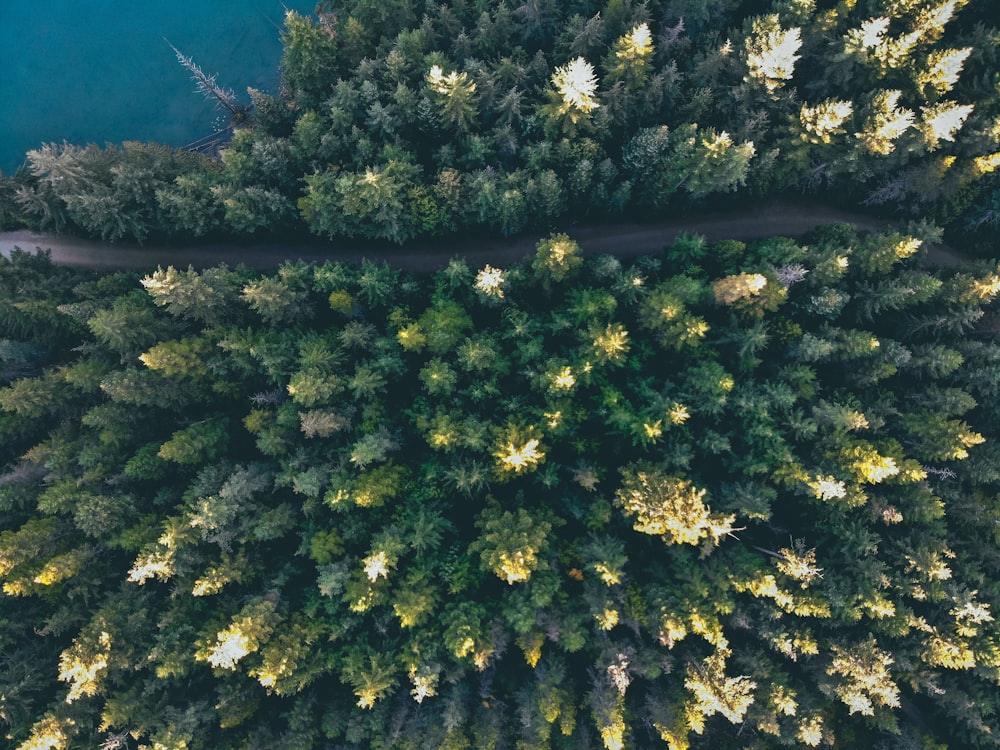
99, 71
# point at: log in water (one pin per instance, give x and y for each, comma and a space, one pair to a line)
99, 71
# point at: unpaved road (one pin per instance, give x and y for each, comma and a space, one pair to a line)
779, 217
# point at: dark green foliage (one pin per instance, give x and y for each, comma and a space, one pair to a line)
735, 496
658, 505
113, 193
404, 119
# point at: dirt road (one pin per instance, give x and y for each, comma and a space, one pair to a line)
780, 217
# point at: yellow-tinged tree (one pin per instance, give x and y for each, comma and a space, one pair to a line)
714, 692
50, 733
865, 679
670, 507
871, 45
518, 450
750, 293
556, 258
886, 122
424, 678
631, 56
244, 635
824, 120
610, 344
771, 52
179, 358
942, 69
84, 664
941, 121
572, 96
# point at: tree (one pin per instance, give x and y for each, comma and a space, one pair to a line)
371, 675
770, 51
518, 450
310, 58
662, 162
511, 543
128, 326
207, 86
665, 312
444, 324
251, 209
455, 96
572, 97
248, 630
866, 681
83, 665
366, 204
885, 123
279, 299
670, 507
752, 293
196, 444
942, 69
825, 120
556, 258
208, 296
942, 121
630, 57
32, 398
181, 358
609, 344
190, 206
714, 692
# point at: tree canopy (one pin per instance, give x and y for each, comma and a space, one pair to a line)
730, 496
413, 118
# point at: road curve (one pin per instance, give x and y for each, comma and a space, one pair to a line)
776, 217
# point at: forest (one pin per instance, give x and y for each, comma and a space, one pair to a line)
728, 495
417, 118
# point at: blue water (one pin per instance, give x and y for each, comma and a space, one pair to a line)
99, 71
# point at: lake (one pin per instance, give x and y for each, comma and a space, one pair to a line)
99, 71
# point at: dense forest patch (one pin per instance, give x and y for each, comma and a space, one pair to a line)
728, 496
404, 118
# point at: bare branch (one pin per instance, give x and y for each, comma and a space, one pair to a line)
206, 85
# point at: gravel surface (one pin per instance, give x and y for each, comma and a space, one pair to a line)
779, 217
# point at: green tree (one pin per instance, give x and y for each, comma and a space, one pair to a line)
190, 206
371, 675
207, 296
196, 444
701, 161
32, 398
556, 258
455, 96
511, 543
361, 204
279, 299
129, 325
310, 58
